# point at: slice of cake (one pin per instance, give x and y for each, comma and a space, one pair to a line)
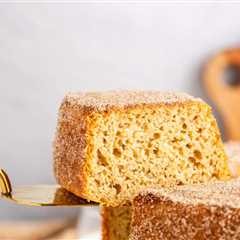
110, 145
206, 211
116, 220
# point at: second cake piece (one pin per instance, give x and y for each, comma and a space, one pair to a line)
110, 145
206, 211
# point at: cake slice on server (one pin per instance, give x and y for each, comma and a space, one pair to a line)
207, 211
110, 145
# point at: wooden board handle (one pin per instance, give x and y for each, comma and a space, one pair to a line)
224, 95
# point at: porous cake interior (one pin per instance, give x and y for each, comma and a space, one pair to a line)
140, 147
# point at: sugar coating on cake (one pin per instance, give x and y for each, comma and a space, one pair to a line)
110, 145
217, 193
205, 211
103, 100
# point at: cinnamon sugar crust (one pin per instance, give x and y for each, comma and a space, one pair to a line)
100, 101
69, 148
218, 193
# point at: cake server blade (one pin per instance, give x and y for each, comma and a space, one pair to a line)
39, 195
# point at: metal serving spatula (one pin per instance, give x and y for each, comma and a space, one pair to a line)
39, 195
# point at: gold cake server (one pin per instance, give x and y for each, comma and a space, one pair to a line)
39, 195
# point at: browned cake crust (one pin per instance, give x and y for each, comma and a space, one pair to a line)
102, 101
207, 211
70, 165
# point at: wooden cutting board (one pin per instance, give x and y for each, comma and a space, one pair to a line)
225, 95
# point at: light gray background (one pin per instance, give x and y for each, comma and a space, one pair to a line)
47, 50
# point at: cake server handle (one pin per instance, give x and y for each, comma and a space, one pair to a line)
5, 184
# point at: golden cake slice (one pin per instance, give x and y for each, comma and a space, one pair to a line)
207, 211
110, 145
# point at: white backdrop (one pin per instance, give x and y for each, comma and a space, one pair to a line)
49, 49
